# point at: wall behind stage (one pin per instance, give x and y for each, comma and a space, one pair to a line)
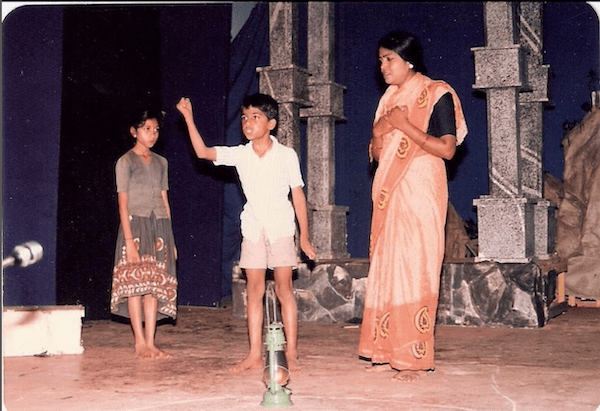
75, 75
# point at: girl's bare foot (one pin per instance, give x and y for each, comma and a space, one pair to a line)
160, 354
250, 363
409, 375
143, 352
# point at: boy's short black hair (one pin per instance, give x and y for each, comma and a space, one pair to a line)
265, 103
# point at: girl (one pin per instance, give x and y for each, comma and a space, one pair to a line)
144, 286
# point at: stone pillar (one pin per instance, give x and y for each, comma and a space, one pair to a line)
327, 221
505, 217
532, 102
283, 79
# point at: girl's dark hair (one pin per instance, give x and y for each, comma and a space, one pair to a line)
407, 46
265, 103
140, 118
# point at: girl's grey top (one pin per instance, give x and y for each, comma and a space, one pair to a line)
143, 183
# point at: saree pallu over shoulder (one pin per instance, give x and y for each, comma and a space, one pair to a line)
410, 197
419, 94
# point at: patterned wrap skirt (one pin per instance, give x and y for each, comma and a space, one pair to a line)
155, 274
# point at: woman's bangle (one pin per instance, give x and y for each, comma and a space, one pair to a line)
425, 141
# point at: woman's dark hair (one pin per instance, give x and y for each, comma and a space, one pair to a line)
407, 46
140, 118
265, 103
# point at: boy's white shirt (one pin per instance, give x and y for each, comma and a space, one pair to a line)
266, 183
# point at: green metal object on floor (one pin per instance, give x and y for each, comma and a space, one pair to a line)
276, 373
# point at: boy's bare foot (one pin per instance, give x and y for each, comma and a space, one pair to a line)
378, 368
293, 365
250, 363
409, 375
293, 362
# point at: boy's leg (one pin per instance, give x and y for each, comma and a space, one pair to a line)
284, 289
255, 290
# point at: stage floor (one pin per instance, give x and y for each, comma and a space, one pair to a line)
556, 367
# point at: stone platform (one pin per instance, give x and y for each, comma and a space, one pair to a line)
471, 293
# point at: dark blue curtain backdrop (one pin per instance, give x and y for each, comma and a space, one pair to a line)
105, 77
70, 75
448, 31
71, 78
195, 50
31, 112
249, 50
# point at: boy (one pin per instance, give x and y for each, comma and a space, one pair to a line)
267, 171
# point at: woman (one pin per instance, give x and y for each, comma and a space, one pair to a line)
418, 123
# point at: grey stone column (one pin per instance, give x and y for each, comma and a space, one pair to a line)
505, 217
327, 220
283, 79
532, 103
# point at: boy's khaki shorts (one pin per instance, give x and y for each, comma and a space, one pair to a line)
262, 254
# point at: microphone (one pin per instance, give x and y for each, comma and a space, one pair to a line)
24, 254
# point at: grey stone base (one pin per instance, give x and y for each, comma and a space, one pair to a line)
495, 294
505, 229
330, 291
471, 293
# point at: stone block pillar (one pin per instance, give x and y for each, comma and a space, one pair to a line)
505, 217
327, 221
532, 102
283, 79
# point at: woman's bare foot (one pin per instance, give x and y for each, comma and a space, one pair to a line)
378, 368
409, 376
250, 363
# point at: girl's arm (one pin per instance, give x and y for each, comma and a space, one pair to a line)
443, 147
202, 151
165, 198
299, 202
133, 256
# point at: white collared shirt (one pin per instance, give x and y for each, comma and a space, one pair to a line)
266, 183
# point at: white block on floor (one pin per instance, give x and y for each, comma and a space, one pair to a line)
42, 330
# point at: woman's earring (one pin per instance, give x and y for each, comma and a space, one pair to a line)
411, 66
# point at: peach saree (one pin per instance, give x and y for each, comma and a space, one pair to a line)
410, 199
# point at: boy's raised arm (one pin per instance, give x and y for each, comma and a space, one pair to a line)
202, 151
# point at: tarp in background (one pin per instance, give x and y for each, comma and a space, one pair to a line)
578, 231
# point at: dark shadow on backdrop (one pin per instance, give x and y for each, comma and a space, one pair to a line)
117, 59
